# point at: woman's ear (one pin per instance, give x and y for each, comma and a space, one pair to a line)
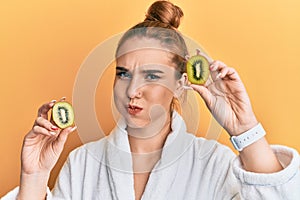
183, 81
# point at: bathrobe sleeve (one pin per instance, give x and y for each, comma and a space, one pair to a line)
62, 189
284, 184
12, 195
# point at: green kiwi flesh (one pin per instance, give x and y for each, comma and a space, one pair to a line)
197, 68
63, 114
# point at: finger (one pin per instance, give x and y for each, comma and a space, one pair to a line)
217, 65
229, 73
43, 110
40, 130
208, 82
40, 121
215, 68
223, 72
187, 87
64, 133
60, 141
204, 93
51, 119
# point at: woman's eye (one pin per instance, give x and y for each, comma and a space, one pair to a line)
152, 77
124, 75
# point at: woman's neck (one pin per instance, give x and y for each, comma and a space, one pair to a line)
152, 143
146, 152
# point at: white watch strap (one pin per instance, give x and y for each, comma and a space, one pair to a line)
245, 139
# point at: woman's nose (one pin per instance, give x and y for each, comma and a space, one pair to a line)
134, 89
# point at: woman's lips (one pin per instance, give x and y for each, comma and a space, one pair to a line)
133, 110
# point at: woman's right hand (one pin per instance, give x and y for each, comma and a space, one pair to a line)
43, 144
41, 149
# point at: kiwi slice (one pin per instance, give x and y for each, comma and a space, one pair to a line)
63, 114
197, 68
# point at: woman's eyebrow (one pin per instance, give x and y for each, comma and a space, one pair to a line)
152, 71
121, 69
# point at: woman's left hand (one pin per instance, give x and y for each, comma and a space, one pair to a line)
226, 98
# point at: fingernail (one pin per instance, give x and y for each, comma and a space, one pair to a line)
54, 128
187, 87
73, 129
219, 75
52, 133
63, 98
211, 67
53, 101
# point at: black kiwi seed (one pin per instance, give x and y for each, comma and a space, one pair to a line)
63, 114
197, 68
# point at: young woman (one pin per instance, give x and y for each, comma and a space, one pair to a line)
150, 155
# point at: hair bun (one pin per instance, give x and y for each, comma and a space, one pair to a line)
165, 12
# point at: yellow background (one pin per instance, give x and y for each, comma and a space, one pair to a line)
43, 43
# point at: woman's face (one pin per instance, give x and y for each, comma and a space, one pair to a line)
144, 83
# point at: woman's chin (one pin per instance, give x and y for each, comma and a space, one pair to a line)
136, 123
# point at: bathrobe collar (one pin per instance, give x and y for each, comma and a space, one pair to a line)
119, 160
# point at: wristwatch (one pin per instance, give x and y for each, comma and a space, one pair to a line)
245, 139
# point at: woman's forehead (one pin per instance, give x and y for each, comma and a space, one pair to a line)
145, 57
140, 43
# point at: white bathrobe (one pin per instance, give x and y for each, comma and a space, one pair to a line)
190, 168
